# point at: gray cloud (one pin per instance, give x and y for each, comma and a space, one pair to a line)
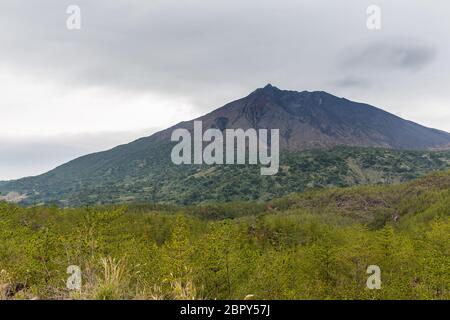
385, 56
205, 51
352, 82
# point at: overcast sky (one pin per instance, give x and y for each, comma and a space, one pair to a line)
136, 67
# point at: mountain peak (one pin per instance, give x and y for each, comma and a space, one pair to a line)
269, 88
317, 119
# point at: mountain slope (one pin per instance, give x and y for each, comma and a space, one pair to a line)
142, 170
317, 119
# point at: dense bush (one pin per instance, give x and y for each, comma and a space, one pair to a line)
314, 245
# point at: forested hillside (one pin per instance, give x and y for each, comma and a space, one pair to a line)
312, 245
155, 179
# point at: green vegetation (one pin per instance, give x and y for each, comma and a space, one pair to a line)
152, 178
312, 245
